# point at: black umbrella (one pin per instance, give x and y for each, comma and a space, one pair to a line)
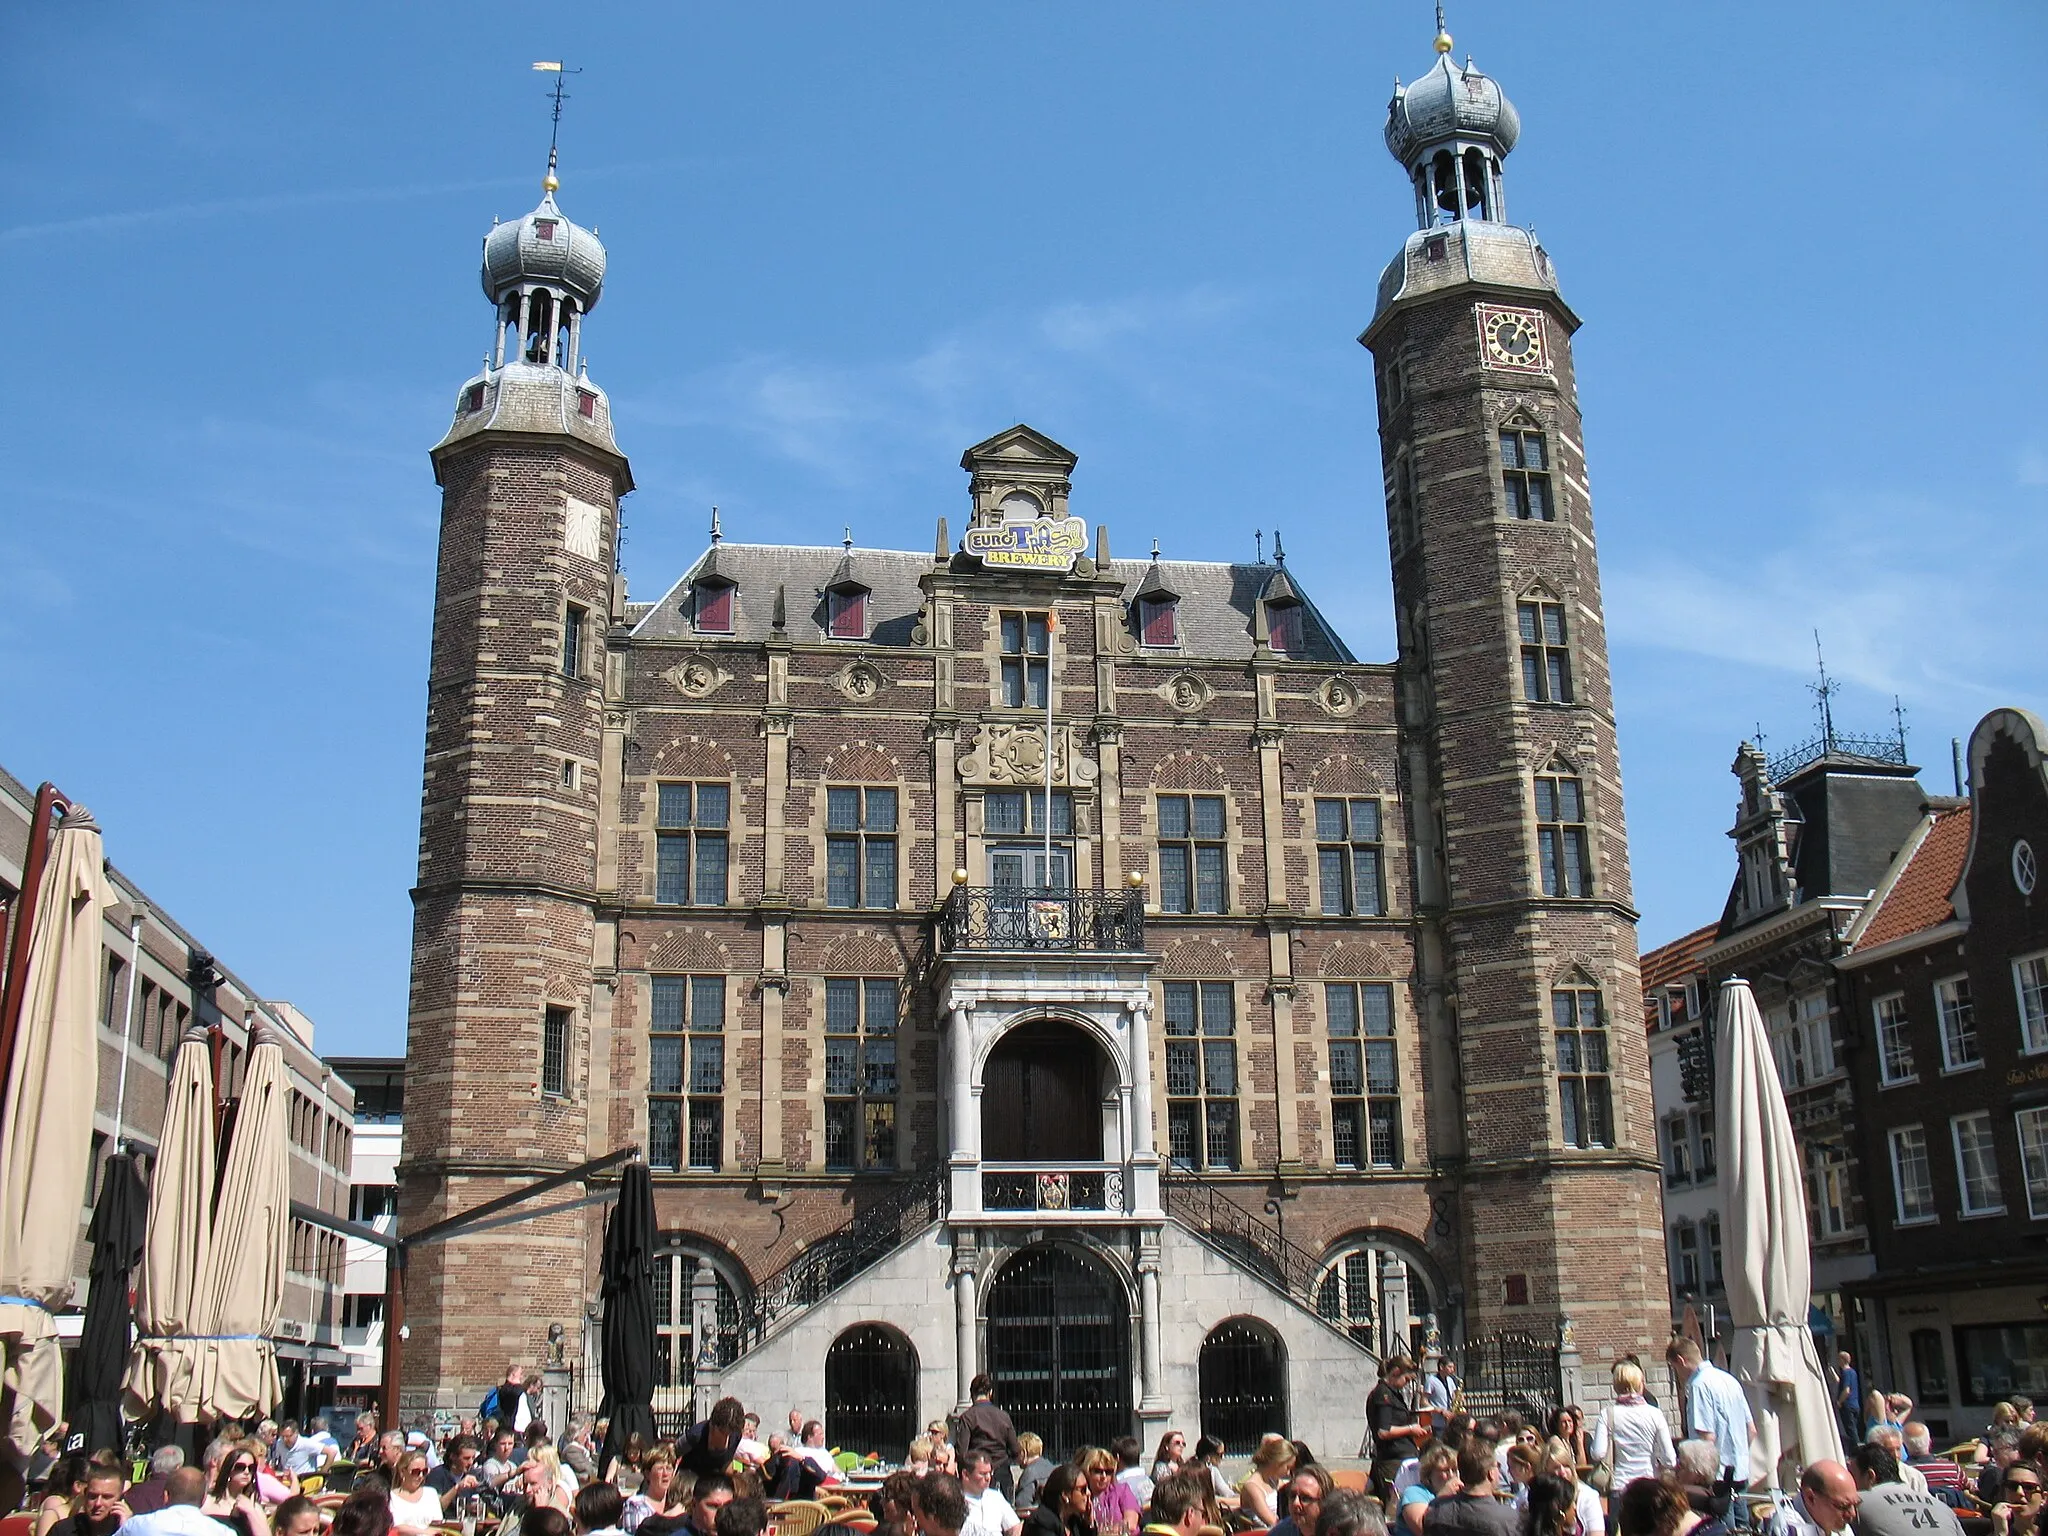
628, 1272
118, 1223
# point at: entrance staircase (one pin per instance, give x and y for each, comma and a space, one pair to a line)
1203, 1210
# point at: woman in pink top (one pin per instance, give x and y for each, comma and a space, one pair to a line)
1115, 1503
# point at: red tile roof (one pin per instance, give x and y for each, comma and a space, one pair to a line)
1918, 899
1678, 959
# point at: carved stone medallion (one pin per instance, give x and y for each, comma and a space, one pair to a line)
1186, 692
860, 681
1339, 696
1015, 754
697, 676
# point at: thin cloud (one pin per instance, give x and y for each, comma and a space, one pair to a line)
281, 202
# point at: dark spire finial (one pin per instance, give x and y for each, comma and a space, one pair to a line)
558, 95
1259, 540
1155, 551
716, 532
848, 540
1279, 554
1823, 696
1443, 36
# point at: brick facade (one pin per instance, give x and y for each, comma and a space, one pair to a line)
546, 887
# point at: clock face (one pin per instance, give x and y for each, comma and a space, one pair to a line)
1512, 338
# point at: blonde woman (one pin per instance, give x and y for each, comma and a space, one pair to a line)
1114, 1504
1258, 1491
1632, 1432
1561, 1461
919, 1459
1436, 1474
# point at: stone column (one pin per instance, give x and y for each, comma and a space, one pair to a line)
703, 1339
966, 1310
963, 1113
1393, 1305
1143, 1195
1153, 1405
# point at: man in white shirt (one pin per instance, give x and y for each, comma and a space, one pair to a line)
1716, 1410
988, 1512
184, 1492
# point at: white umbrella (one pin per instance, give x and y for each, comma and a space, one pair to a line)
46, 1138
171, 1305
251, 1234
1769, 1265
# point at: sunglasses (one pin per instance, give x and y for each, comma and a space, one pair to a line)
2031, 1490
241, 1466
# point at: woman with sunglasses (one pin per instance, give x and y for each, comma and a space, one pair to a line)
2018, 1510
1173, 1450
233, 1501
414, 1506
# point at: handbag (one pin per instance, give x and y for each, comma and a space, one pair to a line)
1601, 1478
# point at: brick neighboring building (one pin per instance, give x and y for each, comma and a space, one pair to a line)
938, 1075
1945, 995
1677, 1002
147, 1000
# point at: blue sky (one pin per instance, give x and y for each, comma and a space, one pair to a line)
847, 241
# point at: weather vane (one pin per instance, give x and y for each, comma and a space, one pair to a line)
558, 95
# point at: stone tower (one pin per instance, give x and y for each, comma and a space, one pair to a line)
501, 1017
1526, 934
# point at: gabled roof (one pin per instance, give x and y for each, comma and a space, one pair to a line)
1918, 895
1216, 603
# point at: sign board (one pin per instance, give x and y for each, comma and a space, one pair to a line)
1048, 544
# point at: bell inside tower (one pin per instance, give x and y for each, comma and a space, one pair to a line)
1452, 186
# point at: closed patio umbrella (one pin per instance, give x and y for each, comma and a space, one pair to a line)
1769, 1268
46, 1136
177, 1245
251, 1243
118, 1224
628, 1284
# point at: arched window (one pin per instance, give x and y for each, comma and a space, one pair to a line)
1362, 1277
1525, 472
1562, 847
1021, 507
1546, 655
677, 1347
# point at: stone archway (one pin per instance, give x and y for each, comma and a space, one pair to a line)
1059, 1347
1042, 1091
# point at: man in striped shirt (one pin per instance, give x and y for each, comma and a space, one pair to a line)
1943, 1476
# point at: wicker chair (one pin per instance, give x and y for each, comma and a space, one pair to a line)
798, 1517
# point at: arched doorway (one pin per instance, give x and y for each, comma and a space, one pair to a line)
1059, 1348
1041, 1096
871, 1391
1243, 1376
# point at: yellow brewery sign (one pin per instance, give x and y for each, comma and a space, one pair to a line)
1049, 544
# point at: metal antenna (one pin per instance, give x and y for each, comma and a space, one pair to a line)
558, 95
1899, 724
1823, 694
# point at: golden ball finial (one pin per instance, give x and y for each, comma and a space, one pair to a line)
1443, 41
959, 877
550, 182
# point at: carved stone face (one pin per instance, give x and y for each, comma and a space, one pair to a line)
1187, 694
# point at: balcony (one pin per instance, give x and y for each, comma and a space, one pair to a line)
1012, 918
1086, 1188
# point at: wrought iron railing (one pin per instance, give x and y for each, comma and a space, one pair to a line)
1258, 1245
1513, 1372
1881, 749
1050, 1189
871, 1233
1016, 917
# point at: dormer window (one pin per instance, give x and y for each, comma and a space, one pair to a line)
544, 229
846, 613
1283, 619
1159, 620
475, 402
586, 403
711, 603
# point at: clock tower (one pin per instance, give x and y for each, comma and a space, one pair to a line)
1526, 951
506, 1070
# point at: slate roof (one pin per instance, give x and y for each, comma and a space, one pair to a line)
1857, 815
1215, 618
1919, 897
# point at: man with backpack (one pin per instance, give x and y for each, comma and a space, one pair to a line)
507, 1402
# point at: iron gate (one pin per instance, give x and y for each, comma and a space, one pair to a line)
1059, 1349
871, 1392
1243, 1373
1512, 1372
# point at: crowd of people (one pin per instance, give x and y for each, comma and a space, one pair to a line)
1435, 1470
